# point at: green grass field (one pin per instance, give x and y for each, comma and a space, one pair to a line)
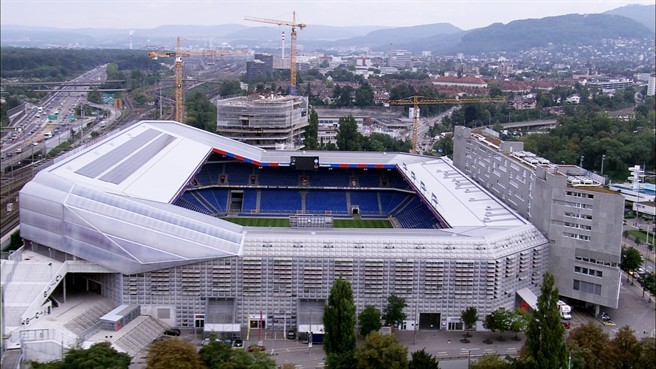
361, 223
260, 222
337, 223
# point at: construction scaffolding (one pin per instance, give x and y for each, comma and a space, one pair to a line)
268, 122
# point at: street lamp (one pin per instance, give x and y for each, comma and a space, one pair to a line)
603, 157
310, 333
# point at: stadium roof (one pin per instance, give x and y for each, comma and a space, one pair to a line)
111, 202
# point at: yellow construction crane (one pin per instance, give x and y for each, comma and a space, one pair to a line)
178, 54
421, 100
292, 52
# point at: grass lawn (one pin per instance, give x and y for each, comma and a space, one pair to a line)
337, 223
361, 223
642, 236
260, 222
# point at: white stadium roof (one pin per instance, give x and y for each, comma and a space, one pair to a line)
111, 202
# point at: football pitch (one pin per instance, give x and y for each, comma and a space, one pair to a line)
284, 222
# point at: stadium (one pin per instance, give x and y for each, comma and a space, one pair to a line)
198, 230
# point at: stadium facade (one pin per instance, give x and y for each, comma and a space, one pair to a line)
141, 217
581, 218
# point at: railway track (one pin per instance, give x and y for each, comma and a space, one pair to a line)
10, 185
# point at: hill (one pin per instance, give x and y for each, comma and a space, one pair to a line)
644, 14
573, 29
381, 39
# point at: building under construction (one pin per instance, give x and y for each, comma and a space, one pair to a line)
272, 122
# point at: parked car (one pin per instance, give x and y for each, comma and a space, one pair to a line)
172, 332
238, 343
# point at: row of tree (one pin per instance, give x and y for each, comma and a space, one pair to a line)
544, 348
595, 136
377, 350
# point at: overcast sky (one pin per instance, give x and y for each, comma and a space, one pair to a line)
136, 14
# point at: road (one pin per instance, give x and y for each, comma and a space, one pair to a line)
423, 127
31, 132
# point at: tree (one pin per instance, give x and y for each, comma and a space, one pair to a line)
518, 322
469, 317
98, 356
544, 347
369, 320
200, 112
339, 324
348, 138
95, 96
630, 259
173, 353
626, 349
499, 320
491, 361
242, 359
312, 131
215, 354
495, 90
364, 95
647, 353
393, 312
229, 88
381, 352
590, 345
423, 360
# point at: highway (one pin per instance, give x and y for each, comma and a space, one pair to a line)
32, 135
31, 143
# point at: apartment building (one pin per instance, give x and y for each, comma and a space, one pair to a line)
580, 217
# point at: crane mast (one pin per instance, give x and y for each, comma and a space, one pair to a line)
292, 56
179, 102
178, 55
421, 100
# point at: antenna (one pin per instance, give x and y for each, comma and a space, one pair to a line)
130, 34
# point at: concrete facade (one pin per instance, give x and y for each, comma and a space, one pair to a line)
569, 205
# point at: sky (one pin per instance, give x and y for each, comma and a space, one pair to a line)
143, 14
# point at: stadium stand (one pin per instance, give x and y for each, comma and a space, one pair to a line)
390, 201
276, 177
406, 207
416, 215
216, 197
280, 201
366, 201
249, 203
328, 178
184, 202
209, 174
321, 202
368, 179
238, 173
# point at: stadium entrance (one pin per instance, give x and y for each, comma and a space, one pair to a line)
236, 201
430, 321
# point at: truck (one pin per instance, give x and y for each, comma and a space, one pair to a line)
564, 310
47, 135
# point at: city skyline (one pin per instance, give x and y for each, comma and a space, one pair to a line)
125, 14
